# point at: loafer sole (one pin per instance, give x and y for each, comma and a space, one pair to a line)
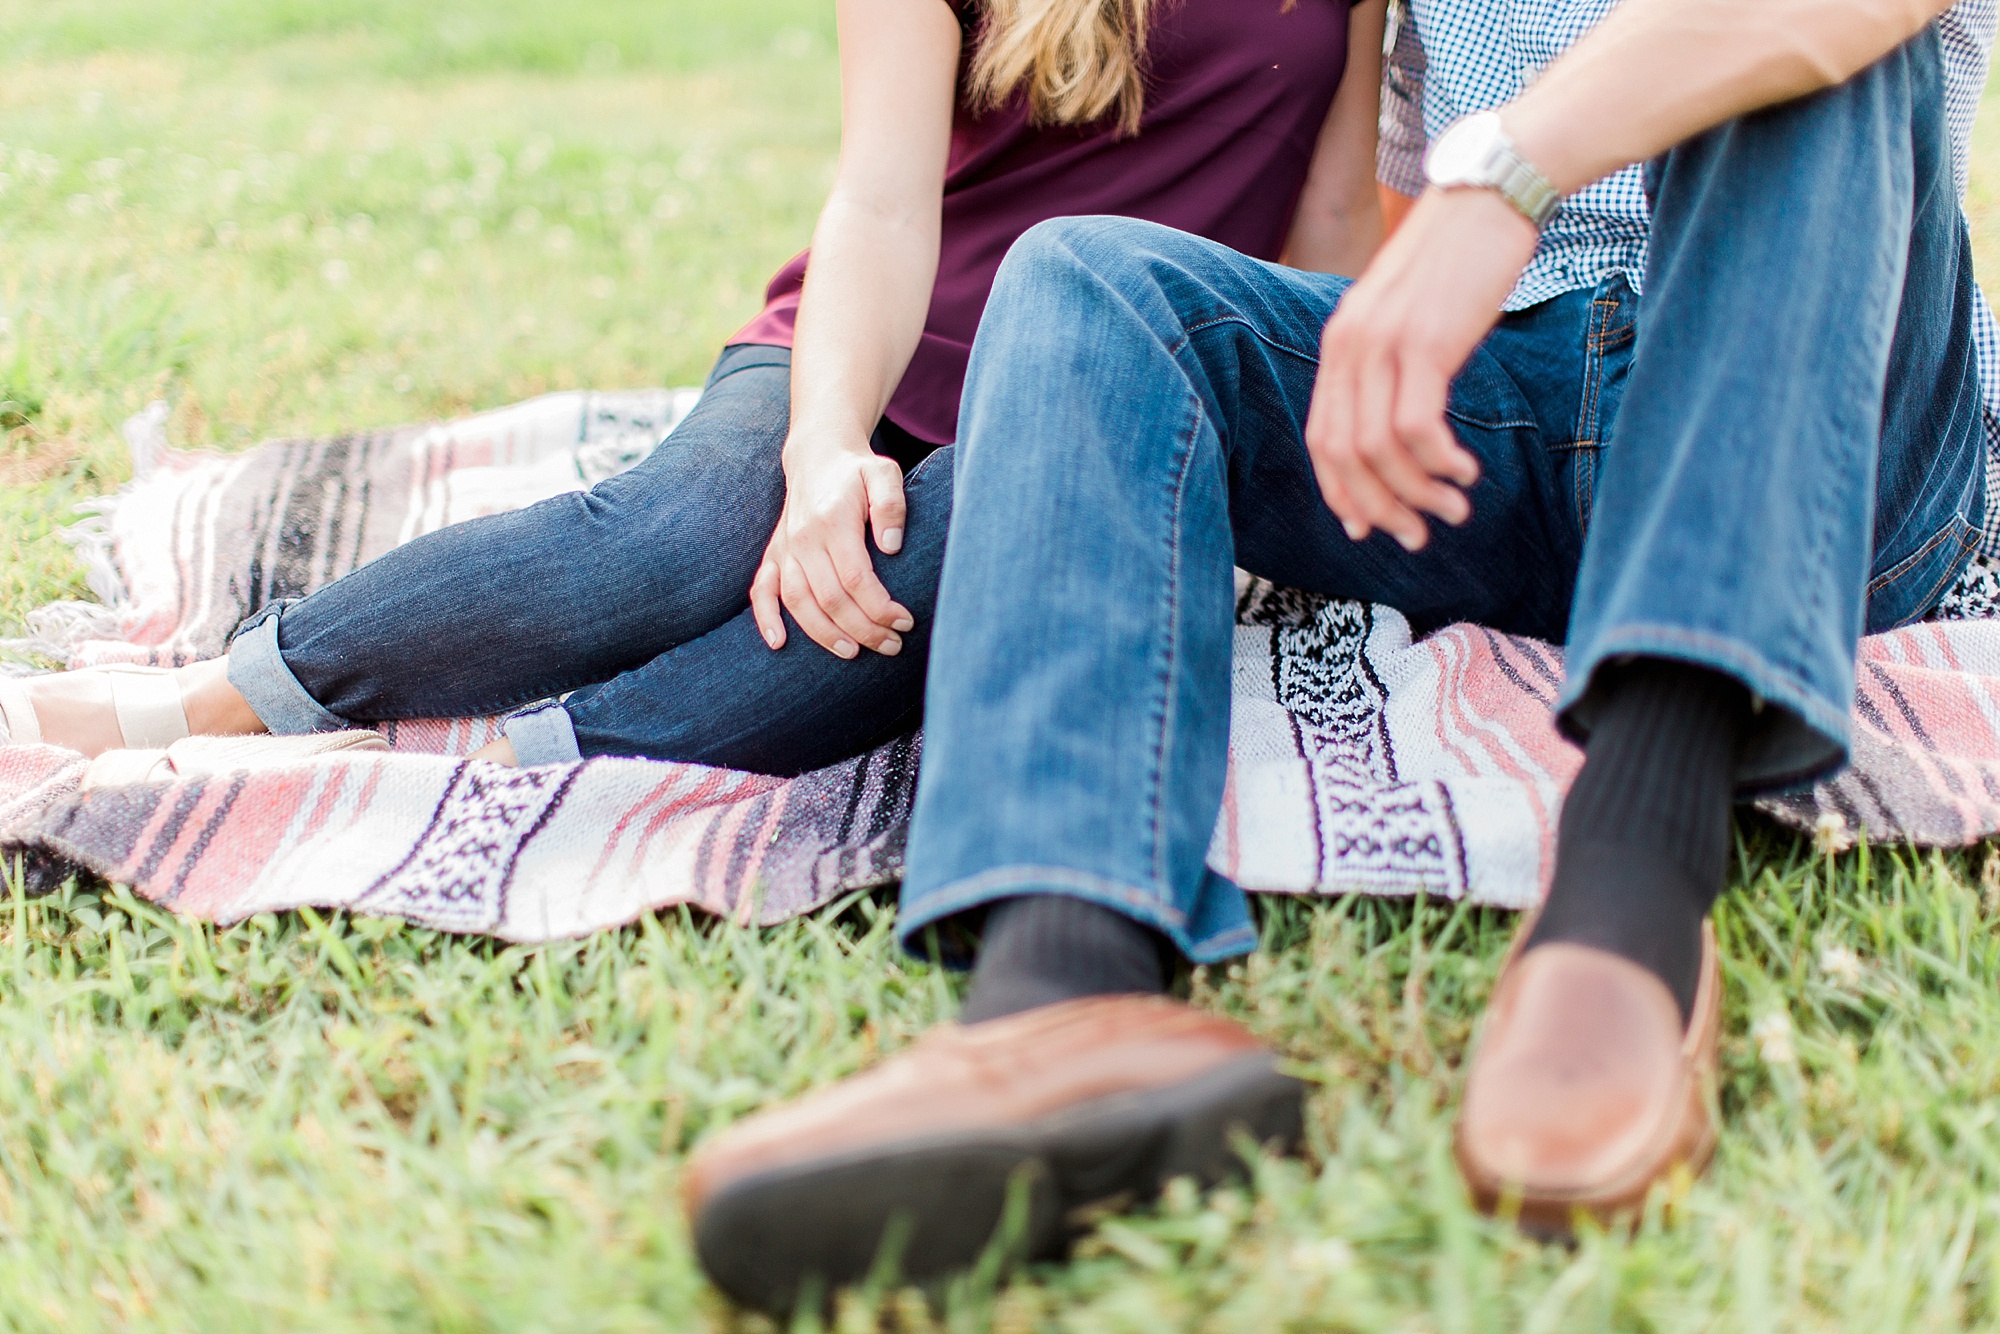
943, 1199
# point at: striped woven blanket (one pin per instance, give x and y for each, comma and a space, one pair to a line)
1361, 760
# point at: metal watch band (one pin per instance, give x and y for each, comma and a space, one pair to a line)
1527, 189
1476, 153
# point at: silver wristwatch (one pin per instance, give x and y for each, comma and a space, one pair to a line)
1476, 153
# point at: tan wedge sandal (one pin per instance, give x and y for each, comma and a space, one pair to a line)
147, 701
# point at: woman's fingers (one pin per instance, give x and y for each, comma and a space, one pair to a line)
847, 549
830, 588
803, 604
887, 510
766, 603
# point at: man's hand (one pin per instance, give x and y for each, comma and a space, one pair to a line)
817, 563
1380, 446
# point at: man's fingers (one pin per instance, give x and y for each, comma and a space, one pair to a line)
1421, 391
887, 510
1330, 437
1385, 481
766, 604
805, 609
1379, 506
1415, 488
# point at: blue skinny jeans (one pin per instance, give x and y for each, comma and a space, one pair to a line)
1778, 448
620, 615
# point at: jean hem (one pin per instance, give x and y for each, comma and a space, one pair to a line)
542, 734
1779, 754
257, 669
1145, 906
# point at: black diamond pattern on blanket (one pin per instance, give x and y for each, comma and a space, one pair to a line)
1321, 676
456, 877
1376, 833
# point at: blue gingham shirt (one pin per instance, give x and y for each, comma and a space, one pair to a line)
1449, 58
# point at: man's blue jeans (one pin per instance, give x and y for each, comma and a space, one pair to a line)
1782, 450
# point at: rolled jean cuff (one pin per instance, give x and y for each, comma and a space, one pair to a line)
542, 734
1798, 735
1218, 927
257, 669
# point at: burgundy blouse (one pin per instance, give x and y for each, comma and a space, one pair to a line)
1236, 92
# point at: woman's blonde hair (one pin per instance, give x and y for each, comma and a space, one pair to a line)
1080, 60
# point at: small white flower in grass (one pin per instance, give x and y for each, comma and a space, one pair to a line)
535, 154
1841, 965
602, 288
429, 262
560, 239
1830, 832
668, 207
527, 219
1326, 1256
1773, 1036
336, 272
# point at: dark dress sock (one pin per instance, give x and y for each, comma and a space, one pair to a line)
1042, 948
1643, 847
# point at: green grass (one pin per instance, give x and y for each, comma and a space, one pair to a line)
290, 217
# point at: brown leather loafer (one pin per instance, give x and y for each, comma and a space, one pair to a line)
1585, 1088
1081, 1102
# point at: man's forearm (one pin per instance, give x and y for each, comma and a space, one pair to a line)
1656, 72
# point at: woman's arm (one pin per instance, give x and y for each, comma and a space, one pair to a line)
867, 294
1395, 207
1339, 222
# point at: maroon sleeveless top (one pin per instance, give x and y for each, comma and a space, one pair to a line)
1236, 92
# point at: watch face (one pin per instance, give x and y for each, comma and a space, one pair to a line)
1460, 153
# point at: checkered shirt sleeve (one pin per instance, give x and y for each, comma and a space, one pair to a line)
1399, 154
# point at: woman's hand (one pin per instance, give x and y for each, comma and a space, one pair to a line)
817, 564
